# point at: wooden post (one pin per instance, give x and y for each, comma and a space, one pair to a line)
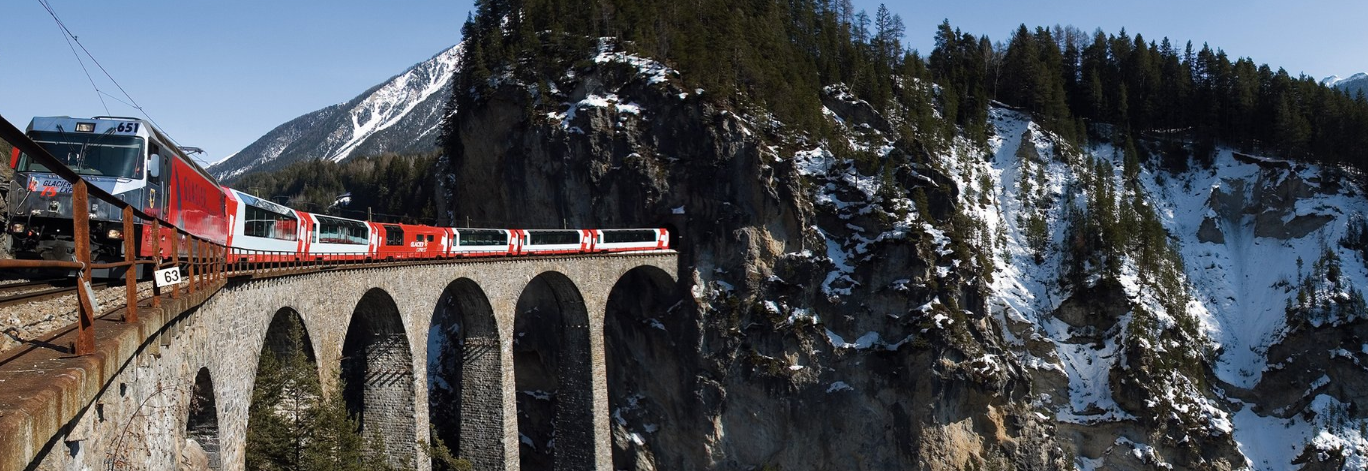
175, 261
130, 276
80, 218
194, 260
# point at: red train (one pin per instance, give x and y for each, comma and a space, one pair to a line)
129, 158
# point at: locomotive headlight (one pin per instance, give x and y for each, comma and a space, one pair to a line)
115, 234
54, 206
17, 228
85, 127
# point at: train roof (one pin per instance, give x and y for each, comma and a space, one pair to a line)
146, 125
260, 202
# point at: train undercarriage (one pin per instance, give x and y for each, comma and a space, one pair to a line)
43, 238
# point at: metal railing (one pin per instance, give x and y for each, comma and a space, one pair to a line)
201, 266
204, 262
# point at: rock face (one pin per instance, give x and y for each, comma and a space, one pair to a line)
781, 273
926, 308
1268, 207
193, 456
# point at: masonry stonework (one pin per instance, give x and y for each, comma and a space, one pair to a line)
139, 420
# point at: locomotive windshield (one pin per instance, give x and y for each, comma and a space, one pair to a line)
90, 154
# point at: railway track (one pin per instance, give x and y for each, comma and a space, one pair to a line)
23, 293
6, 289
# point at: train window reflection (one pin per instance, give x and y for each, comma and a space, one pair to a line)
341, 231
90, 154
394, 235
554, 237
467, 237
611, 236
260, 222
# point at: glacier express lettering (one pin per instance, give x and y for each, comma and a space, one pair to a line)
49, 186
189, 193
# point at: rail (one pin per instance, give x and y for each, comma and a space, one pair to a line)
80, 194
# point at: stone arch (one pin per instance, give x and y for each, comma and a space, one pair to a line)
465, 375
201, 425
551, 355
377, 376
287, 373
644, 375
280, 336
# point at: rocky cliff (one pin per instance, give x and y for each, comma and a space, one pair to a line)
873, 301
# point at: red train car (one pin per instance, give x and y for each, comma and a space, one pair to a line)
407, 241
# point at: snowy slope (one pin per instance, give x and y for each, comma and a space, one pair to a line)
400, 115
1240, 286
1247, 281
1354, 84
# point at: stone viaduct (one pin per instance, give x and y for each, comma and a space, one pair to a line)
460, 334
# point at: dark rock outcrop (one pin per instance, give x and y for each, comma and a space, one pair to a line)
757, 374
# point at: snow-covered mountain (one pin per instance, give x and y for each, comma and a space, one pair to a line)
400, 115
1353, 84
1270, 275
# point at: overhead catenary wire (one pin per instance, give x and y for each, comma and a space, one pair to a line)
66, 34
72, 38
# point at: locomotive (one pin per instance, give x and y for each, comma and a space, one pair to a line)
137, 163
126, 157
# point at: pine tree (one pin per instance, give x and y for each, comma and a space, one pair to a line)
293, 426
282, 417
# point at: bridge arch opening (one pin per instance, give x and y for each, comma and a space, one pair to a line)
377, 377
552, 372
645, 376
285, 395
201, 427
465, 376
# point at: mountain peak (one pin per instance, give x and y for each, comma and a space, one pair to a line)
1336, 81
400, 115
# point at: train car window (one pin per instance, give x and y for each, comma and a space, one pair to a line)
261, 222
341, 231
478, 237
429, 237
394, 235
554, 237
628, 235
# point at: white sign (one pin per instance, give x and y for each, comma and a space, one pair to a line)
168, 277
90, 293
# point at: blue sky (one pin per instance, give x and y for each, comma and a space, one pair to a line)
219, 74
214, 74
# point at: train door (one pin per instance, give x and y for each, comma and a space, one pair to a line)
306, 235
515, 242
155, 198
